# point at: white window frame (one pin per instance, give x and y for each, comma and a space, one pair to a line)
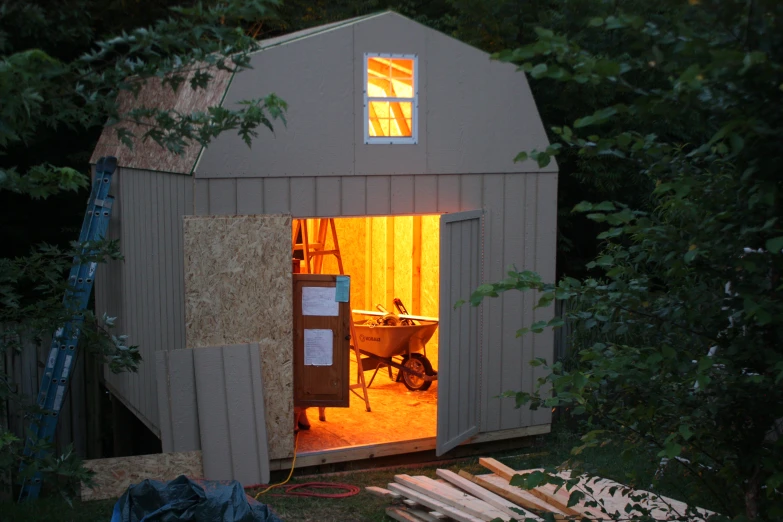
413, 139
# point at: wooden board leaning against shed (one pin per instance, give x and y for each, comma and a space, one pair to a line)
238, 290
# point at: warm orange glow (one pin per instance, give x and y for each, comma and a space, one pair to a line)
390, 78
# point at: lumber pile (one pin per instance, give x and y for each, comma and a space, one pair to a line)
464, 497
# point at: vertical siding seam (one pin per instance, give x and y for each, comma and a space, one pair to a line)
365, 205
236, 196
502, 307
459, 193
288, 182
253, 381
437, 192
480, 334
263, 195
228, 417
209, 196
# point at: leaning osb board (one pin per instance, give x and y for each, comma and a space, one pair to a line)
238, 290
153, 94
113, 476
278, 379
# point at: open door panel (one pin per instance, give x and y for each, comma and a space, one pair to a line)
460, 339
321, 382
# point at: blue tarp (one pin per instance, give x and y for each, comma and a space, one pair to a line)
186, 500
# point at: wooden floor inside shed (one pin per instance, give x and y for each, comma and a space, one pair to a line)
397, 415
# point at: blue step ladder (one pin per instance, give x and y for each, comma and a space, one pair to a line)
62, 355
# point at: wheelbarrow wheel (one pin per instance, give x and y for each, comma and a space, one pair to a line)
418, 363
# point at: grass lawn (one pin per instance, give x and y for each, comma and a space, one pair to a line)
364, 507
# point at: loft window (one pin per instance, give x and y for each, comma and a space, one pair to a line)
390, 98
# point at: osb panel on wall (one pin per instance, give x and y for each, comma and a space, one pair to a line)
113, 476
238, 290
147, 154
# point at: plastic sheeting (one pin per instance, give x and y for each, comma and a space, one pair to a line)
186, 500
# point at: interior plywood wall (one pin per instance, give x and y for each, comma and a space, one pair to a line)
389, 257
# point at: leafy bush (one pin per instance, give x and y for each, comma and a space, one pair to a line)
688, 306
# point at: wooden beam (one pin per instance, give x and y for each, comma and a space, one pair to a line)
518, 496
386, 449
429, 516
501, 470
433, 504
389, 304
368, 279
381, 492
399, 117
403, 515
384, 84
452, 497
416, 267
493, 499
402, 316
395, 64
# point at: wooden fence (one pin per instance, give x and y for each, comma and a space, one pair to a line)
78, 424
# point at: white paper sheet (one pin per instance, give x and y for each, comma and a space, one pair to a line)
320, 300
318, 347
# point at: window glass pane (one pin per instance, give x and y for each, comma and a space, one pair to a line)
390, 119
390, 77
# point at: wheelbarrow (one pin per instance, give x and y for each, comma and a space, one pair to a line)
381, 344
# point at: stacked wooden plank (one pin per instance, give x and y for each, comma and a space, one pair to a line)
473, 498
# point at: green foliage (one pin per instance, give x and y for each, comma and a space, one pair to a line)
686, 304
62, 67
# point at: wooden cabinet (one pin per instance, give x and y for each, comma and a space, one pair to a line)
317, 383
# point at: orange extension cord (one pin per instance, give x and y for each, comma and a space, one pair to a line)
307, 487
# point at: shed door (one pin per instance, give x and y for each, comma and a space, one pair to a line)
459, 344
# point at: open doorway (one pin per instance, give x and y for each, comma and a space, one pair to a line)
389, 259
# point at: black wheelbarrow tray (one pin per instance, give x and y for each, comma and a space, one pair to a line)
380, 344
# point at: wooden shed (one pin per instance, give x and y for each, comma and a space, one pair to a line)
404, 136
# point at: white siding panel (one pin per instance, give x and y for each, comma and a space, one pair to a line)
470, 192
230, 395
448, 194
460, 339
250, 196
315, 76
493, 318
378, 195
303, 197
497, 116
354, 195
515, 363
425, 194
222, 197
201, 197
277, 197
383, 35
328, 196
545, 255
402, 195
147, 288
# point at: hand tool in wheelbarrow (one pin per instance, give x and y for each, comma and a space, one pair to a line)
403, 311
